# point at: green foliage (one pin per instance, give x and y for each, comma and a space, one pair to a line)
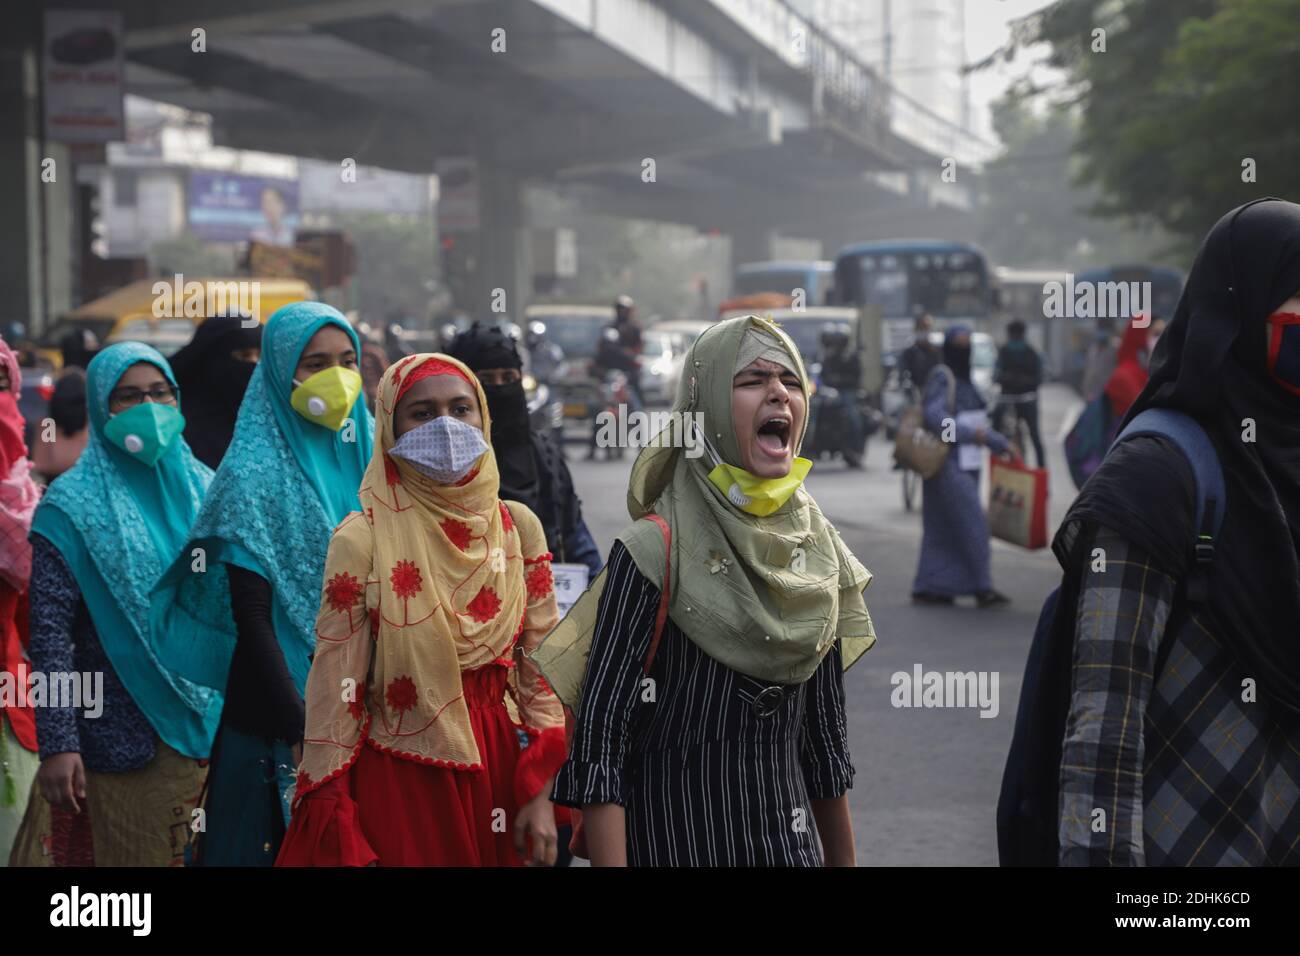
1186, 91
1034, 214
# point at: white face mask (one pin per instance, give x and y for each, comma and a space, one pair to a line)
444, 449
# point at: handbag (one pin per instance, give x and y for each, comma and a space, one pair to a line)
915, 446
578, 842
1018, 503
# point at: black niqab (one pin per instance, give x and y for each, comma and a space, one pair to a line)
957, 357
482, 347
1211, 363
212, 383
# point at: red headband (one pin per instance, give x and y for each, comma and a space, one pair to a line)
428, 368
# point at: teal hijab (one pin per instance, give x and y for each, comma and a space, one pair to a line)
283, 486
118, 523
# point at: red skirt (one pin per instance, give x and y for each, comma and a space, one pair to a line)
397, 812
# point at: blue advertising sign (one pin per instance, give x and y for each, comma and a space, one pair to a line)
228, 207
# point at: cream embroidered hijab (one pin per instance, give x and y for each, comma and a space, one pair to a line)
428, 581
766, 596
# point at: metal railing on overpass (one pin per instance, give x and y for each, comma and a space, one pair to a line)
849, 90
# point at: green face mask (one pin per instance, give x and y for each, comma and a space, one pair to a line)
754, 495
145, 431
327, 397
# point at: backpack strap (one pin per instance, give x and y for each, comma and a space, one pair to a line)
661, 617
1190, 439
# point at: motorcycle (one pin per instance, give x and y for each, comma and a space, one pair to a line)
830, 427
613, 404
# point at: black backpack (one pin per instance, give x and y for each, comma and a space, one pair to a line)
1028, 810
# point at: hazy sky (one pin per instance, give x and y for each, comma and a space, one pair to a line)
986, 30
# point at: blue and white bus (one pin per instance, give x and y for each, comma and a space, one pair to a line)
905, 277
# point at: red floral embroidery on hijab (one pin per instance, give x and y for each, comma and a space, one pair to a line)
506, 522
485, 605
539, 581
406, 579
390, 472
342, 591
401, 694
304, 780
357, 708
457, 532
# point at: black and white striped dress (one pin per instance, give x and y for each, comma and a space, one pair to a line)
705, 778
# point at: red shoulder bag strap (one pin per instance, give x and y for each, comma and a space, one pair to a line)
661, 618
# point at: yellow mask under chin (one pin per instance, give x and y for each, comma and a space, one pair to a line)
754, 495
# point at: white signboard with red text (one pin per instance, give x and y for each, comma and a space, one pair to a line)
84, 76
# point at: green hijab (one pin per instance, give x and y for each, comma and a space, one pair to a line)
765, 596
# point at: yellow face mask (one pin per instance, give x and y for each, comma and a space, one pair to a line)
754, 495
327, 397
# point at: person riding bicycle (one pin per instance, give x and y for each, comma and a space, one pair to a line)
1019, 373
916, 361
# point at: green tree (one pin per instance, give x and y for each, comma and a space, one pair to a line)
1034, 213
1185, 92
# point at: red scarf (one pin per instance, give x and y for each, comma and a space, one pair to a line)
19, 494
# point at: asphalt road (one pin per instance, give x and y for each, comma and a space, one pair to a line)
927, 778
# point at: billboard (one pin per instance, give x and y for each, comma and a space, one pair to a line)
230, 207
372, 190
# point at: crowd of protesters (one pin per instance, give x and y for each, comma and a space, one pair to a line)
317, 586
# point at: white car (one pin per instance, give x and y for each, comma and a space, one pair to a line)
662, 357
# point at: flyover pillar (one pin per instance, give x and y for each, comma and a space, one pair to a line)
36, 270
502, 280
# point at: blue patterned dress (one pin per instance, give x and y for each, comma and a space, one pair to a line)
955, 543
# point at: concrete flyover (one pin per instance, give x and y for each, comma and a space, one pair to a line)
757, 121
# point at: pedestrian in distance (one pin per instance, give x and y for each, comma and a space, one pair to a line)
1019, 374
955, 549
916, 361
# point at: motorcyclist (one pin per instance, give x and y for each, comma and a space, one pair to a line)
544, 356
841, 369
621, 350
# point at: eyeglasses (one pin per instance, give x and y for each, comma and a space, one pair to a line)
129, 397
